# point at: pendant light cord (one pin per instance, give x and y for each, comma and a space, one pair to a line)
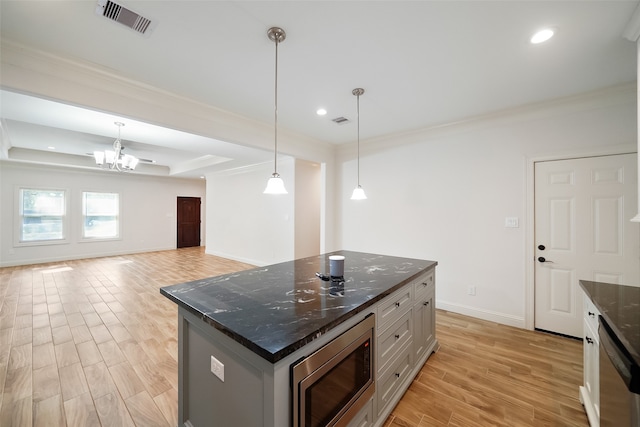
358, 103
357, 92
275, 120
358, 193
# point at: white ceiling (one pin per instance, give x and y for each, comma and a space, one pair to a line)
421, 63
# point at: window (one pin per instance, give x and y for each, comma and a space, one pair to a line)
101, 213
42, 215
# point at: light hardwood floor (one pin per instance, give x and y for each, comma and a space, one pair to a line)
93, 343
486, 374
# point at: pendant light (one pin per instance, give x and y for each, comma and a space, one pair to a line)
358, 192
275, 185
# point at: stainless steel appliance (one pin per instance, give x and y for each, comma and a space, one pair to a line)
331, 385
619, 382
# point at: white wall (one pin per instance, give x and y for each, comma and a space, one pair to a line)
147, 207
81, 83
246, 225
443, 194
307, 209
439, 194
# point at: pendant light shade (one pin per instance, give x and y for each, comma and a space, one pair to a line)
275, 185
358, 192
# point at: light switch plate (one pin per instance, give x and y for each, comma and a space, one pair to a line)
217, 368
511, 222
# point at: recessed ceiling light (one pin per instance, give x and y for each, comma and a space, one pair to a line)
321, 112
542, 36
51, 147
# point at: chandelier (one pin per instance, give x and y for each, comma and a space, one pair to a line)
115, 159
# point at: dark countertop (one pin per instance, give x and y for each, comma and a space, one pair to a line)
620, 307
277, 309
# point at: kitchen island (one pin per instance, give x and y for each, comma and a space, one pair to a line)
239, 333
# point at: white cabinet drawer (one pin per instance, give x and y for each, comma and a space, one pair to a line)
591, 314
424, 284
393, 378
391, 340
394, 306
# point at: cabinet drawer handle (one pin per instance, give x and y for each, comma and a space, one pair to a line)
397, 304
589, 340
591, 314
425, 284
425, 303
397, 375
397, 336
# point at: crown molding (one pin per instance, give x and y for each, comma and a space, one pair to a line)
625, 93
31, 71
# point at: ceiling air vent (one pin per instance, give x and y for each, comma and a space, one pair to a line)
124, 16
340, 120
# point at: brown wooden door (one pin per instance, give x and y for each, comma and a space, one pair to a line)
188, 222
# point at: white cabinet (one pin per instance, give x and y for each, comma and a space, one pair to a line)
392, 339
392, 381
394, 306
424, 315
405, 337
590, 390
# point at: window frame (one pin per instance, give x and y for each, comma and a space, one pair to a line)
19, 218
85, 239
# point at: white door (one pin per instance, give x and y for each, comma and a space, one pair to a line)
583, 209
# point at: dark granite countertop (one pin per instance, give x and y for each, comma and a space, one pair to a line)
277, 309
620, 307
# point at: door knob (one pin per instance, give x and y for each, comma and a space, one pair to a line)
542, 247
543, 259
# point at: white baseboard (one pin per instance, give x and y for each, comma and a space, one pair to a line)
236, 258
72, 257
492, 316
592, 416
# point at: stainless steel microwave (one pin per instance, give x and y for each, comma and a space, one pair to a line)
331, 385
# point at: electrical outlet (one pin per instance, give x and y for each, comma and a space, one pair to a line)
217, 368
471, 291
